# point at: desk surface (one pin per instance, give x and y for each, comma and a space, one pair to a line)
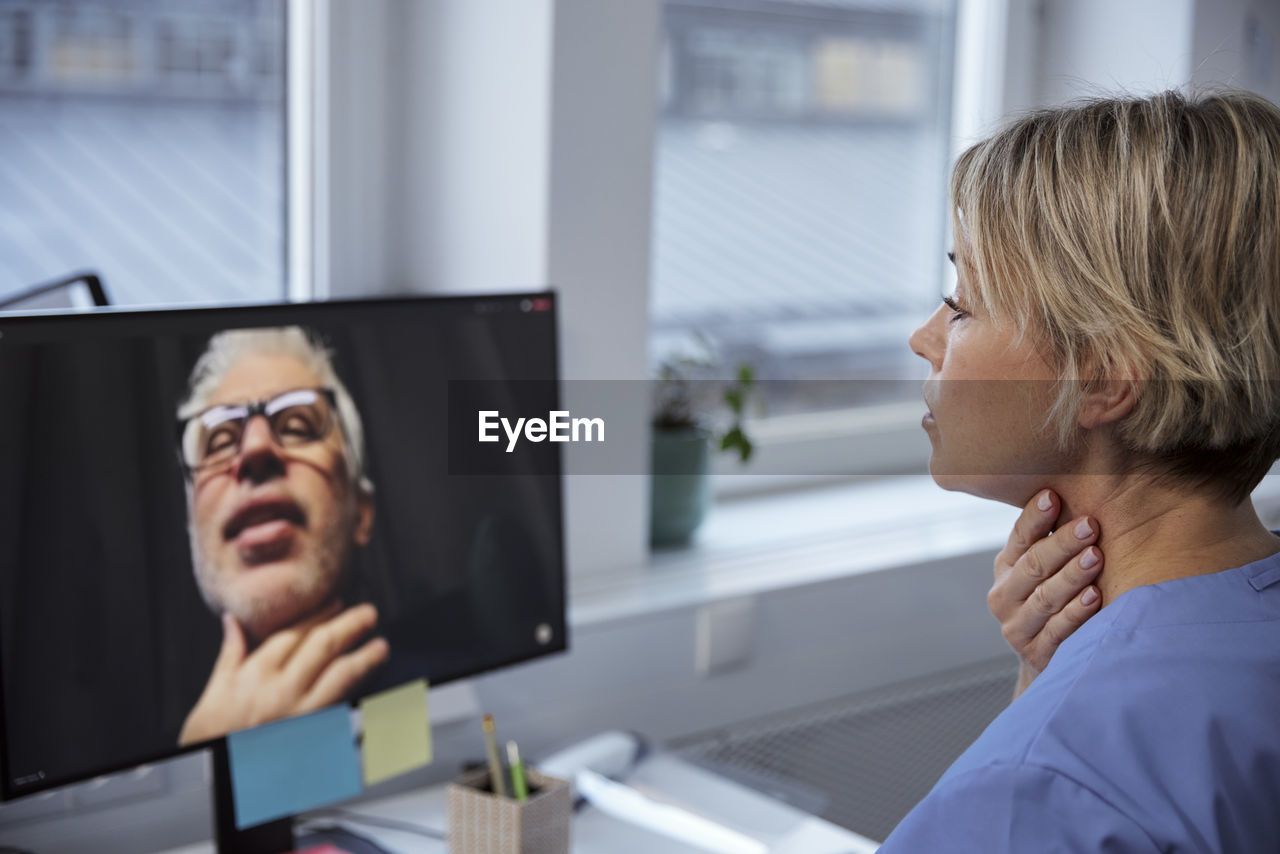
783, 828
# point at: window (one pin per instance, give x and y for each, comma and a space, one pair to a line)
800, 191
144, 140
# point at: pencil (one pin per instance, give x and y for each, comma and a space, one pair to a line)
495, 766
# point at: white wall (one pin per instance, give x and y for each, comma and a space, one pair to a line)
1238, 41
359, 85
472, 125
603, 115
1024, 19
1092, 47
500, 186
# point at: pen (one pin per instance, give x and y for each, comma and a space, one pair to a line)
495, 767
518, 782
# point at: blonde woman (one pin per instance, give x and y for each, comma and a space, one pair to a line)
1113, 346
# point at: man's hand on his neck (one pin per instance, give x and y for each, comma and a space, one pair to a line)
298, 669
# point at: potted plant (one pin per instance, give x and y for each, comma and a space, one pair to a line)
683, 435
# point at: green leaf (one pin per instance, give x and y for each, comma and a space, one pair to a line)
733, 398
736, 440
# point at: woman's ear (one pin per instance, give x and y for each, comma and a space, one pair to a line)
1107, 401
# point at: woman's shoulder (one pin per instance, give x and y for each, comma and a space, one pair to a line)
1183, 652
1241, 595
1160, 716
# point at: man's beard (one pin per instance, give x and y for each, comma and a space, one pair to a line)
316, 576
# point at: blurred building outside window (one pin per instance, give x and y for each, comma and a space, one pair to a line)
800, 194
144, 139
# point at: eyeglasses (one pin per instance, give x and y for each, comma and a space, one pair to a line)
212, 438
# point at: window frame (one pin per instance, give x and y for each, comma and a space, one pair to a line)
306, 149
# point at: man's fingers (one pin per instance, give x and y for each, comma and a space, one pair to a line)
233, 647
344, 673
1051, 597
1064, 623
326, 642
1033, 523
275, 651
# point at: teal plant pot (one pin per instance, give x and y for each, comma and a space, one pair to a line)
680, 494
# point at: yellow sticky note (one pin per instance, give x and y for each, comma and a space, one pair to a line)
397, 732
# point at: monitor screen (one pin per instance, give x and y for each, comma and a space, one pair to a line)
153, 527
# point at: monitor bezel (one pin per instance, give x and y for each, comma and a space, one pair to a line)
117, 315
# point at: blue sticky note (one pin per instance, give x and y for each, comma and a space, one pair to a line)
293, 765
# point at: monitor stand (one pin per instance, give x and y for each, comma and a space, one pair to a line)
273, 837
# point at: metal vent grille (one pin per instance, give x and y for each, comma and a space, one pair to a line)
862, 761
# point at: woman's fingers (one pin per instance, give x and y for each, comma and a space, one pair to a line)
1052, 595
1020, 569
1047, 556
1048, 600
1063, 624
1033, 523
1044, 582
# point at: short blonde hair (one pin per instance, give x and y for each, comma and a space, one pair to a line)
1139, 239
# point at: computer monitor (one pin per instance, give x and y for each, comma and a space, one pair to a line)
141, 498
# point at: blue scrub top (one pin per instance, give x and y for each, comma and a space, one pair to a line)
1156, 727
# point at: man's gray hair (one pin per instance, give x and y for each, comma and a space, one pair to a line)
228, 348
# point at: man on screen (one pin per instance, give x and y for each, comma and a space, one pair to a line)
278, 501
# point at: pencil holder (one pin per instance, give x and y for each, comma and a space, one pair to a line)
481, 822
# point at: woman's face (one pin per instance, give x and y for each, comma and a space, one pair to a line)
988, 394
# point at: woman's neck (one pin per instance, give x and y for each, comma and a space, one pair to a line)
1158, 532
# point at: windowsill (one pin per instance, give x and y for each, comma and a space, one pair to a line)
771, 542
790, 539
